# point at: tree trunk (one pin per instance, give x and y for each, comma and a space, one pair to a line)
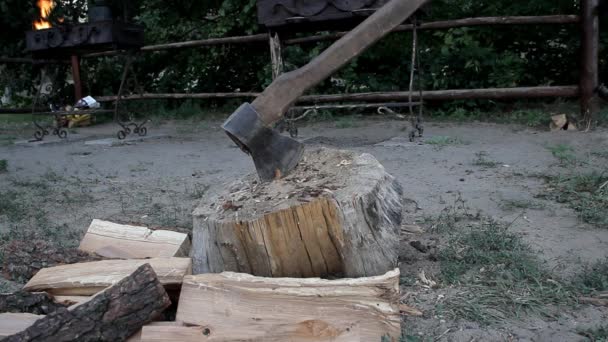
248, 308
112, 315
337, 214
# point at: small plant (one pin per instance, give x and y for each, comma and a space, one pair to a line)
564, 153
482, 160
593, 278
514, 204
346, 122
3, 165
443, 141
596, 335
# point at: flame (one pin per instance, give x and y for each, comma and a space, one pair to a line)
45, 7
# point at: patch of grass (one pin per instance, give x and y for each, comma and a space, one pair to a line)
482, 160
593, 278
443, 141
586, 193
198, 191
140, 166
503, 276
3, 165
7, 140
450, 217
596, 335
346, 122
565, 154
515, 204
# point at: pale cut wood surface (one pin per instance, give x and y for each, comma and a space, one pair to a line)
237, 306
280, 230
161, 332
113, 240
70, 300
91, 277
12, 323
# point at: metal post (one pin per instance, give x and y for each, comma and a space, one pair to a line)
589, 79
76, 77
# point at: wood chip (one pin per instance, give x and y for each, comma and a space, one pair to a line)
409, 311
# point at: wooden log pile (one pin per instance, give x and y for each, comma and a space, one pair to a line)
336, 216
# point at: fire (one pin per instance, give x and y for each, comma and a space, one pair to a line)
45, 7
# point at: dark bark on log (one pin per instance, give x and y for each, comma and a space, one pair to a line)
112, 315
431, 95
23, 259
39, 303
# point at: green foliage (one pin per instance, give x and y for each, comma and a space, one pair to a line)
3, 165
455, 58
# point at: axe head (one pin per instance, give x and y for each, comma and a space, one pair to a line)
273, 154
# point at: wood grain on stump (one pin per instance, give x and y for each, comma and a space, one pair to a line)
337, 214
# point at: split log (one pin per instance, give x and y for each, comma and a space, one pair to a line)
112, 315
12, 323
252, 308
337, 214
168, 332
39, 303
113, 240
91, 277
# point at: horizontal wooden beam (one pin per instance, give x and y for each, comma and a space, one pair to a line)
448, 24
436, 25
430, 95
454, 94
23, 60
177, 96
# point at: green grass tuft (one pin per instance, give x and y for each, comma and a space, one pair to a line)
596, 335
482, 160
443, 141
503, 277
564, 153
593, 278
586, 193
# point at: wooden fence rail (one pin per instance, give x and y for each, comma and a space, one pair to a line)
430, 95
435, 25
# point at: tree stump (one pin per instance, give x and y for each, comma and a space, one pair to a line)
337, 214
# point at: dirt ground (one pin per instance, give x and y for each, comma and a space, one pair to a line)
495, 170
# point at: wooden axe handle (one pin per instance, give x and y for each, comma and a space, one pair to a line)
285, 89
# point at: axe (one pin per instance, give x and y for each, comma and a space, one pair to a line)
250, 126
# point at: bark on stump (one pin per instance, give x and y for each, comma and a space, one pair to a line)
337, 214
112, 315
